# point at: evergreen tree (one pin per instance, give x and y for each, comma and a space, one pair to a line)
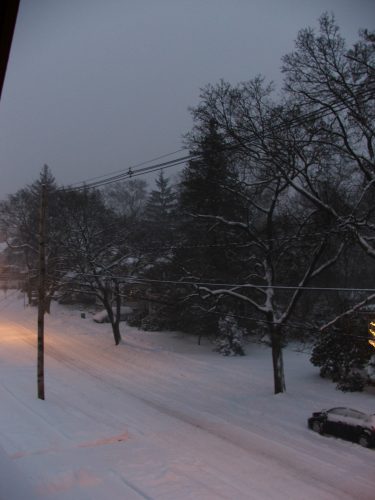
201, 252
161, 202
342, 354
230, 339
159, 216
209, 186
204, 185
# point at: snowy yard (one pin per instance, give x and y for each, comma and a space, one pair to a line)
160, 417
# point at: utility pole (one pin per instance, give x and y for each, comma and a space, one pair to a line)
41, 289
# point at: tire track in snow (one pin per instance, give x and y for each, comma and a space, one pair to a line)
236, 436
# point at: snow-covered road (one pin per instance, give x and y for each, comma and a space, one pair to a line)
159, 417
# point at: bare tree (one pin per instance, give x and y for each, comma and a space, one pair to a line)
336, 87
126, 198
19, 219
97, 252
283, 245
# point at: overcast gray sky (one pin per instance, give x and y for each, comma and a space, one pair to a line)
94, 86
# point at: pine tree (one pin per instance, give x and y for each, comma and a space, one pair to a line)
209, 187
161, 202
342, 354
230, 339
202, 188
201, 243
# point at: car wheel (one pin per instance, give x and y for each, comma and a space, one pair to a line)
364, 440
317, 427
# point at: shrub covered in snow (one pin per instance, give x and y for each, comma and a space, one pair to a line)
154, 323
343, 354
102, 316
231, 337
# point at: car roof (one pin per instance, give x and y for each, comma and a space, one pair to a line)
347, 408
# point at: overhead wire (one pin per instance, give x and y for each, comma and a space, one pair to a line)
326, 110
132, 167
290, 325
137, 280
132, 172
129, 173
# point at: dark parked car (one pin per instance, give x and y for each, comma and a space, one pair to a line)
345, 423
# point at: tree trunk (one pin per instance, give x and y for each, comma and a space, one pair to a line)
41, 292
277, 359
114, 319
116, 332
29, 293
108, 307
116, 325
47, 307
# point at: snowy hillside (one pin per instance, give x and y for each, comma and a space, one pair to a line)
160, 417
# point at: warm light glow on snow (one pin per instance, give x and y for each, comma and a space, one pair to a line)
14, 333
372, 332
160, 416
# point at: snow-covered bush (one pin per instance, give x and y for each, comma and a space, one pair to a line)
343, 354
352, 382
370, 369
153, 323
231, 337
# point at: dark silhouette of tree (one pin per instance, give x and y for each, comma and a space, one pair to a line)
161, 202
95, 251
19, 219
266, 215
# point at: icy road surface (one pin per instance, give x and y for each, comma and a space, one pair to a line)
159, 417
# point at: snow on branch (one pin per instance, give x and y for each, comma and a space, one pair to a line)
370, 250
223, 220
233, 293
348, 312
328, 262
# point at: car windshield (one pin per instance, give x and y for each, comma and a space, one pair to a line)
338, 411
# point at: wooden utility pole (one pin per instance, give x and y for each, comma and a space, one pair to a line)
41, 289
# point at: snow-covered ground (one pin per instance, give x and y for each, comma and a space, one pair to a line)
160, 417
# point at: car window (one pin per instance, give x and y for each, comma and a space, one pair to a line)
336, 415
343, 416
337, 411
356, 414
348, 416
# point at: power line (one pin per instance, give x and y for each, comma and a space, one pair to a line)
234, 244
129, 173
334, 106
132, 167
136, 280
288, 325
